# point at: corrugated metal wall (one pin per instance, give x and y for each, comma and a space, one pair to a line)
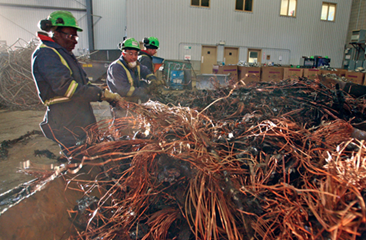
177, 24
110, 21
358, 17
19, 19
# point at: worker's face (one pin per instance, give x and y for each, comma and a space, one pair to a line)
66, 37
130, 55
151, 51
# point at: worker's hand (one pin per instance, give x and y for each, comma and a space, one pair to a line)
155, 85
159, 82
110, 97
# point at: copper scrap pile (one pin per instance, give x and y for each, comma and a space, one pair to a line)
17, 88
266, 161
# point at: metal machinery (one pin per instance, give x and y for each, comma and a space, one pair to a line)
314, 61
177, 74
354, 56
96, 64
307, 62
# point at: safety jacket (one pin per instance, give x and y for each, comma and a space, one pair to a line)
129, 82
146, 59
63, 87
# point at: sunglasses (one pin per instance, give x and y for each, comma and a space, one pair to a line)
70, 36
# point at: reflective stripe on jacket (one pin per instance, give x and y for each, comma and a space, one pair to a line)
72, 86
60, 79
129, 77
128, 82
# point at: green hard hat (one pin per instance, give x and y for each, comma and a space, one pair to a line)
151, 42
63, 19
130, 43
59, 19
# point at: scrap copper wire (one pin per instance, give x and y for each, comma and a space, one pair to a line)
261, 173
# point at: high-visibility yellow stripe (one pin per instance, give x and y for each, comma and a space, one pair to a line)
61, 58
56, 100
130, 79
72, 88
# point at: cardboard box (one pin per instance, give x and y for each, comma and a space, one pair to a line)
272, 74
249, 74
330, 72
328, 82
292, 73
341, 72
311, 73
227, 69
356, 77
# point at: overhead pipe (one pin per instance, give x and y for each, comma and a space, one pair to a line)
42, 7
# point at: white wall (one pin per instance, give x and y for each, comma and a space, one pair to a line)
110, 21
19, 21
177, 24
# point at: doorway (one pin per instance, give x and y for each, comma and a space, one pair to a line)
254, 56
208, 59
231, 55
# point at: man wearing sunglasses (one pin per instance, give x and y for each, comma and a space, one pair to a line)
62, 84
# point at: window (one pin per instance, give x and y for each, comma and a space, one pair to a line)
244, 5
288, 8
200, 3
328, 11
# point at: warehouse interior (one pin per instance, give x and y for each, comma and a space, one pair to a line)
257, 131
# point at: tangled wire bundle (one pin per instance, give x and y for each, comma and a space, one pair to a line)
239, 171
17, 88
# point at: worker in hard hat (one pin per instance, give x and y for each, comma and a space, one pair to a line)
151, 46
127, 77
62, 84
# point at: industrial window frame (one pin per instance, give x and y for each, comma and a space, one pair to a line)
243, 2
200, 3
328, 5
288, 8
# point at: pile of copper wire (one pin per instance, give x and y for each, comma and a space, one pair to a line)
17, 88
270, 161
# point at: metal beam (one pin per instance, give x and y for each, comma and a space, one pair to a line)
89, 19
42, 7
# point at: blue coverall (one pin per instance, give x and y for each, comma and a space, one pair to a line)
63, 87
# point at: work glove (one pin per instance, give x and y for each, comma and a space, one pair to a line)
159, 82
110, 97
155, 85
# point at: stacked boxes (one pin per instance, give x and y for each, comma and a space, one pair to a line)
330, 72
227, 69
272, 74
292, 73
328, 82
355, 77
342, 72
276, 74
249, 74
312, 73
